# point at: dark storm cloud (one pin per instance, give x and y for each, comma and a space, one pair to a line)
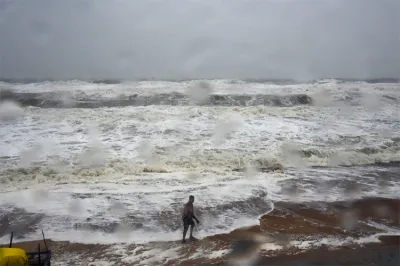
298, 39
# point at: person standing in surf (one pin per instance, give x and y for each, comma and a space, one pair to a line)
187, 218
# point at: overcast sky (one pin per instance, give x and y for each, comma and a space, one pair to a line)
128, 39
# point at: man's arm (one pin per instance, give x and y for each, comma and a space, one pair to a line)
185, 211
194, 216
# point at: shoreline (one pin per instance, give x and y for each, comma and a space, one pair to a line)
290, 233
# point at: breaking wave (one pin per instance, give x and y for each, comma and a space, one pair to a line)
204, 161
115, 93
61, 100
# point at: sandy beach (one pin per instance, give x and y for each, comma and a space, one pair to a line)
270, 243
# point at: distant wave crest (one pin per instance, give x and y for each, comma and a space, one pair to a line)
61, 100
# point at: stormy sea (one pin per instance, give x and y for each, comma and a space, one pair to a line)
104, 168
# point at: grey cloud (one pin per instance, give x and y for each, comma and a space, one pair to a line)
100, 39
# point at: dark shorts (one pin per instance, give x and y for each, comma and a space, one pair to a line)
188, 221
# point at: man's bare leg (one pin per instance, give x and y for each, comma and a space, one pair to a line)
191, 233
184, 234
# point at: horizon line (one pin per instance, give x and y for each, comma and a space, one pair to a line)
250, 80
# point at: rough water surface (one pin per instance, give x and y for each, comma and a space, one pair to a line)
105, 167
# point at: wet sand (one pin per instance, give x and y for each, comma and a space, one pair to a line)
288, 223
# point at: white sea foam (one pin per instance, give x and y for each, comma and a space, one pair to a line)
154, 156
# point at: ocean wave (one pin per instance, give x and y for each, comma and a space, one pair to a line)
60, 100
112, 93
202, 161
